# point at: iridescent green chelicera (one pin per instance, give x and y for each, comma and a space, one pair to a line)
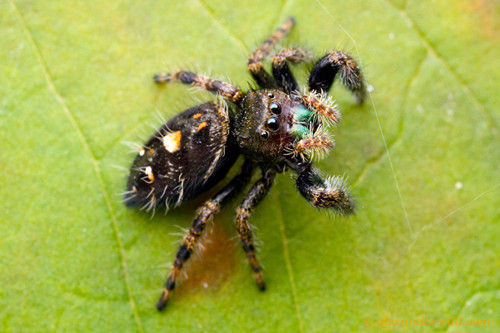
302, 117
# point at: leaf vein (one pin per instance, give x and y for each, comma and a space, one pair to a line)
221, 25
84, 141
286, 256
432, 49
375, 159
466, 303
280, 12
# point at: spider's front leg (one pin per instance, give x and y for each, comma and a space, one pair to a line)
254, 196
324, 71
323, 193
221, 88
264, 80
281, 72
204, 215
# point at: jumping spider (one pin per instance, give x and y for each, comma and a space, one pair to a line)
275, 128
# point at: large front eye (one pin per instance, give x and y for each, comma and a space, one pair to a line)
275, 108
272, 124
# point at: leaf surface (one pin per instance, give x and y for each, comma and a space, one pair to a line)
422, 155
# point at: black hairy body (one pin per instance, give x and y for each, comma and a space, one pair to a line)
196, 156
276, 128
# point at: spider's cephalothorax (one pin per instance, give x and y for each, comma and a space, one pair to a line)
275, 128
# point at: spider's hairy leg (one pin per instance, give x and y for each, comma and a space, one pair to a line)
252, 199
204, 215
264, 80
323, 193
324, 71
281, 72
221, 88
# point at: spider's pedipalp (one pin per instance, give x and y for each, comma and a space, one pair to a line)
315, 147
322, 104
325, 70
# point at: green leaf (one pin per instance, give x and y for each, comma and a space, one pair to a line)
422, 156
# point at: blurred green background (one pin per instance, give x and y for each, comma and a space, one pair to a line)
75, 82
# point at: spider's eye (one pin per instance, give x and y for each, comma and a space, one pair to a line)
275, 108
272, 124
270, 95
264, 135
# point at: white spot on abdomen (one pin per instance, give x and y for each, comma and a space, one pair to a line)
172, 141
149, 173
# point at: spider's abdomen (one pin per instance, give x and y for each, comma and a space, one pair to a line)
187, 155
